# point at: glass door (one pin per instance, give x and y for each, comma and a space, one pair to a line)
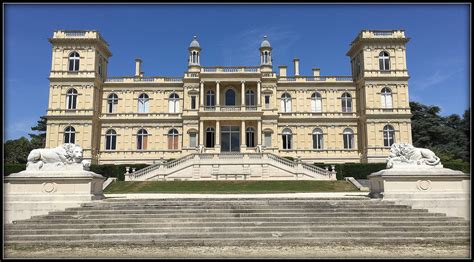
230, 139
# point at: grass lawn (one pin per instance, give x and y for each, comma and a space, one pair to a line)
121, 187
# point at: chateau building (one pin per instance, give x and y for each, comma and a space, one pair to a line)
229, 109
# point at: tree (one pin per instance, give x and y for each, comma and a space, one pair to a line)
446, 136
39, 140
16, 151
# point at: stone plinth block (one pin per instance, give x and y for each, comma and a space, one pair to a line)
437, 189
31, 193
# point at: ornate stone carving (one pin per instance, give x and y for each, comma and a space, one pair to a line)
406, 155
66, 156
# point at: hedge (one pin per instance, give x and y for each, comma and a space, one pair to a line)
13, 168
362, 170
356, 170
117, 171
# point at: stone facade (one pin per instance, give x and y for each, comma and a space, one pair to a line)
142, 119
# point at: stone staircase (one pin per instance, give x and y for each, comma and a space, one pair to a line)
231, 166
236, 221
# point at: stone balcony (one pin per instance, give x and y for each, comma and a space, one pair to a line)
315, 79
151, 79
78, 34
230, 69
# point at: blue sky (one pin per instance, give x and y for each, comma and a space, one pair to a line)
319, 35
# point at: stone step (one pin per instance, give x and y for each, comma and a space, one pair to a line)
216, 211
350, 219
243, 215
136, 224
197, 229
234, 235
241, 199
383, 240
234, 205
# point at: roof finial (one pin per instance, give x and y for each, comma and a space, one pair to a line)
265, 36
194, 37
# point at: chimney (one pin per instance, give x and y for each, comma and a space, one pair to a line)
296, 62
138, 65
282, 70
316, 72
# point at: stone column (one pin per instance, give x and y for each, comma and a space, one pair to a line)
259, 99
201, 95
201, 133
218, 96
243, 94
218, 135
242, 137
259, 133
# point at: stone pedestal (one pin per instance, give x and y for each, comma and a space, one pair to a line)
437, 189
30, 193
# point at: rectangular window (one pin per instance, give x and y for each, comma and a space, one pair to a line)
193, 102
192, 140
267, 102
267, 139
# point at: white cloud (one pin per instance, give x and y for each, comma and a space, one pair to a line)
248, 42
435, 78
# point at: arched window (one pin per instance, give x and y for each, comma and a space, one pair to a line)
143, 103
194, 60
250, 137
384, 61
69, 135
142, 139
173, 103
210, 134
286, 102
348, 137
210, 98
249, 98
388, 135
346, 100
316, 102
112, 101
110, 140
230, 97
286, 138
386, 97
173, 139
74, 61
71, 99
317, 139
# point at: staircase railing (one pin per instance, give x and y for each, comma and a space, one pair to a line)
295, 166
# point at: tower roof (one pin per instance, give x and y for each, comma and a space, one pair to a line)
265, 42
194, 43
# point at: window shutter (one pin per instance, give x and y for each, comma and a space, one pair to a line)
288, 105
389, 101
318, 105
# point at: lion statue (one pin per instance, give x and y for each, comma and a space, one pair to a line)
407, 154
66, 155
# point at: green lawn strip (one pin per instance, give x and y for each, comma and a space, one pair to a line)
122, 187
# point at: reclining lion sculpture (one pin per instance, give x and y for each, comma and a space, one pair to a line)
64, 156
403, 154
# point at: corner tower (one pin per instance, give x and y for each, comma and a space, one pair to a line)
78, 71
379, 70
